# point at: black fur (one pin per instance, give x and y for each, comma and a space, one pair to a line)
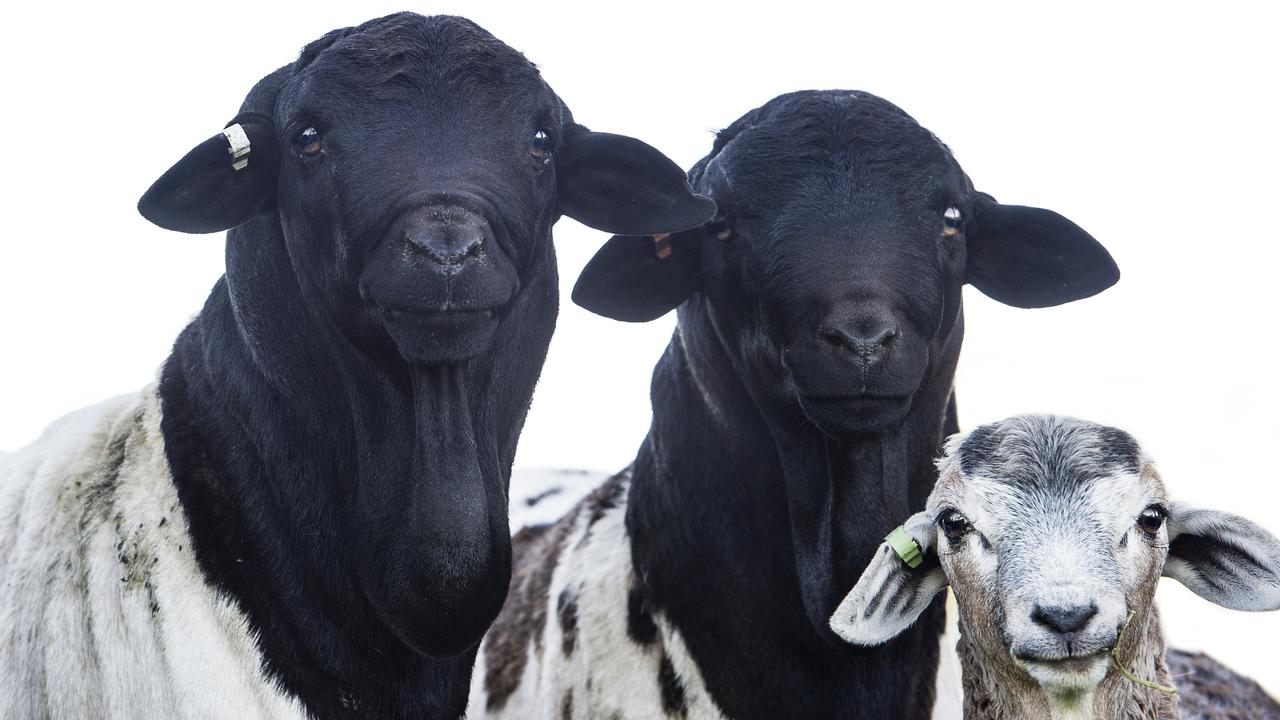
341, 417
798, 409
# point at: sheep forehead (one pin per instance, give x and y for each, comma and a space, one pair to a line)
405, 49
1045, 478
812, 133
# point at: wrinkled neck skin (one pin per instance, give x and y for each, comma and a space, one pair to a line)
995, 688
748, 525
355, 506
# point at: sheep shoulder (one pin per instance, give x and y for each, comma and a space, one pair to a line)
103, 609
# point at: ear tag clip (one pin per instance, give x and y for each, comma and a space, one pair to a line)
239, 149
907, 548
662, 245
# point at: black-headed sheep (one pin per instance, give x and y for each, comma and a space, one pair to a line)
797, 412
307, 516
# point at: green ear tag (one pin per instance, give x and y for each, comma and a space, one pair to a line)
906, 547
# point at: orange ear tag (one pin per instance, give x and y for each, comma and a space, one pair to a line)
662, 245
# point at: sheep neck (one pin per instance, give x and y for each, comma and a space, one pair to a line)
997, 689
327, 483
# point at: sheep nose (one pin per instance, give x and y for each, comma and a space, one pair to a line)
1064, 619
866, 338
448, 236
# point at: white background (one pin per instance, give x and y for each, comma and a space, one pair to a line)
1153, 127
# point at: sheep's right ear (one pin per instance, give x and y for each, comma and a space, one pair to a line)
206, 192
637, 278
890, 595
1224, 558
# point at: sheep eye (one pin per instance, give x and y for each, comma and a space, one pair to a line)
954, 525
541, 146
307, 141
1151, 520
720, 229
952, 221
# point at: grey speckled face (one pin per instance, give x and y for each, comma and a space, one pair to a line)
1052, 533
1056, 525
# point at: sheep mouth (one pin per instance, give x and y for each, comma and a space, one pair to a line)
1067, 671
1069, 663
442, 315
843, 416
441, 336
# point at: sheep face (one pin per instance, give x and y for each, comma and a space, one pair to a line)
1053, 533
416, 165
834, 270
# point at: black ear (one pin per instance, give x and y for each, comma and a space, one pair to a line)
621, 185
639, 278
1030, 258
204, 192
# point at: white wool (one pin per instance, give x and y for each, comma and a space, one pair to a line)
103, 610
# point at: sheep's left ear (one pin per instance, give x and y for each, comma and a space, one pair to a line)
640, 278
1224, 558
891, 594
1031, 258
221, 183
623, 186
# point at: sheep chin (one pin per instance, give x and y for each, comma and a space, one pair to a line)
1069, 683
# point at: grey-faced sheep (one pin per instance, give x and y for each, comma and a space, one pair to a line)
1052, 534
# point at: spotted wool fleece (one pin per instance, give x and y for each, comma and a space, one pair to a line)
571, 641
103, 610
575, 639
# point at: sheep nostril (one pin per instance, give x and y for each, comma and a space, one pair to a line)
866, 340
1064, 619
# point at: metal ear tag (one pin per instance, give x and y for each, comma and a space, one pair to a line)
239, 150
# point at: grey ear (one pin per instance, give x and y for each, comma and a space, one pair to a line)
890, 595
1224, 558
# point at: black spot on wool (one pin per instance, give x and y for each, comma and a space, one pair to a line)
674, 702
567, 611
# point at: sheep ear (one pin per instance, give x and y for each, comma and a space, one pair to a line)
206, 192
640, 278
1031, 258
621, 185
890, 595
1224, 558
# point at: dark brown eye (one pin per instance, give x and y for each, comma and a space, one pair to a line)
1151, 520
542, 146
954, 525
719, 229
307, 141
